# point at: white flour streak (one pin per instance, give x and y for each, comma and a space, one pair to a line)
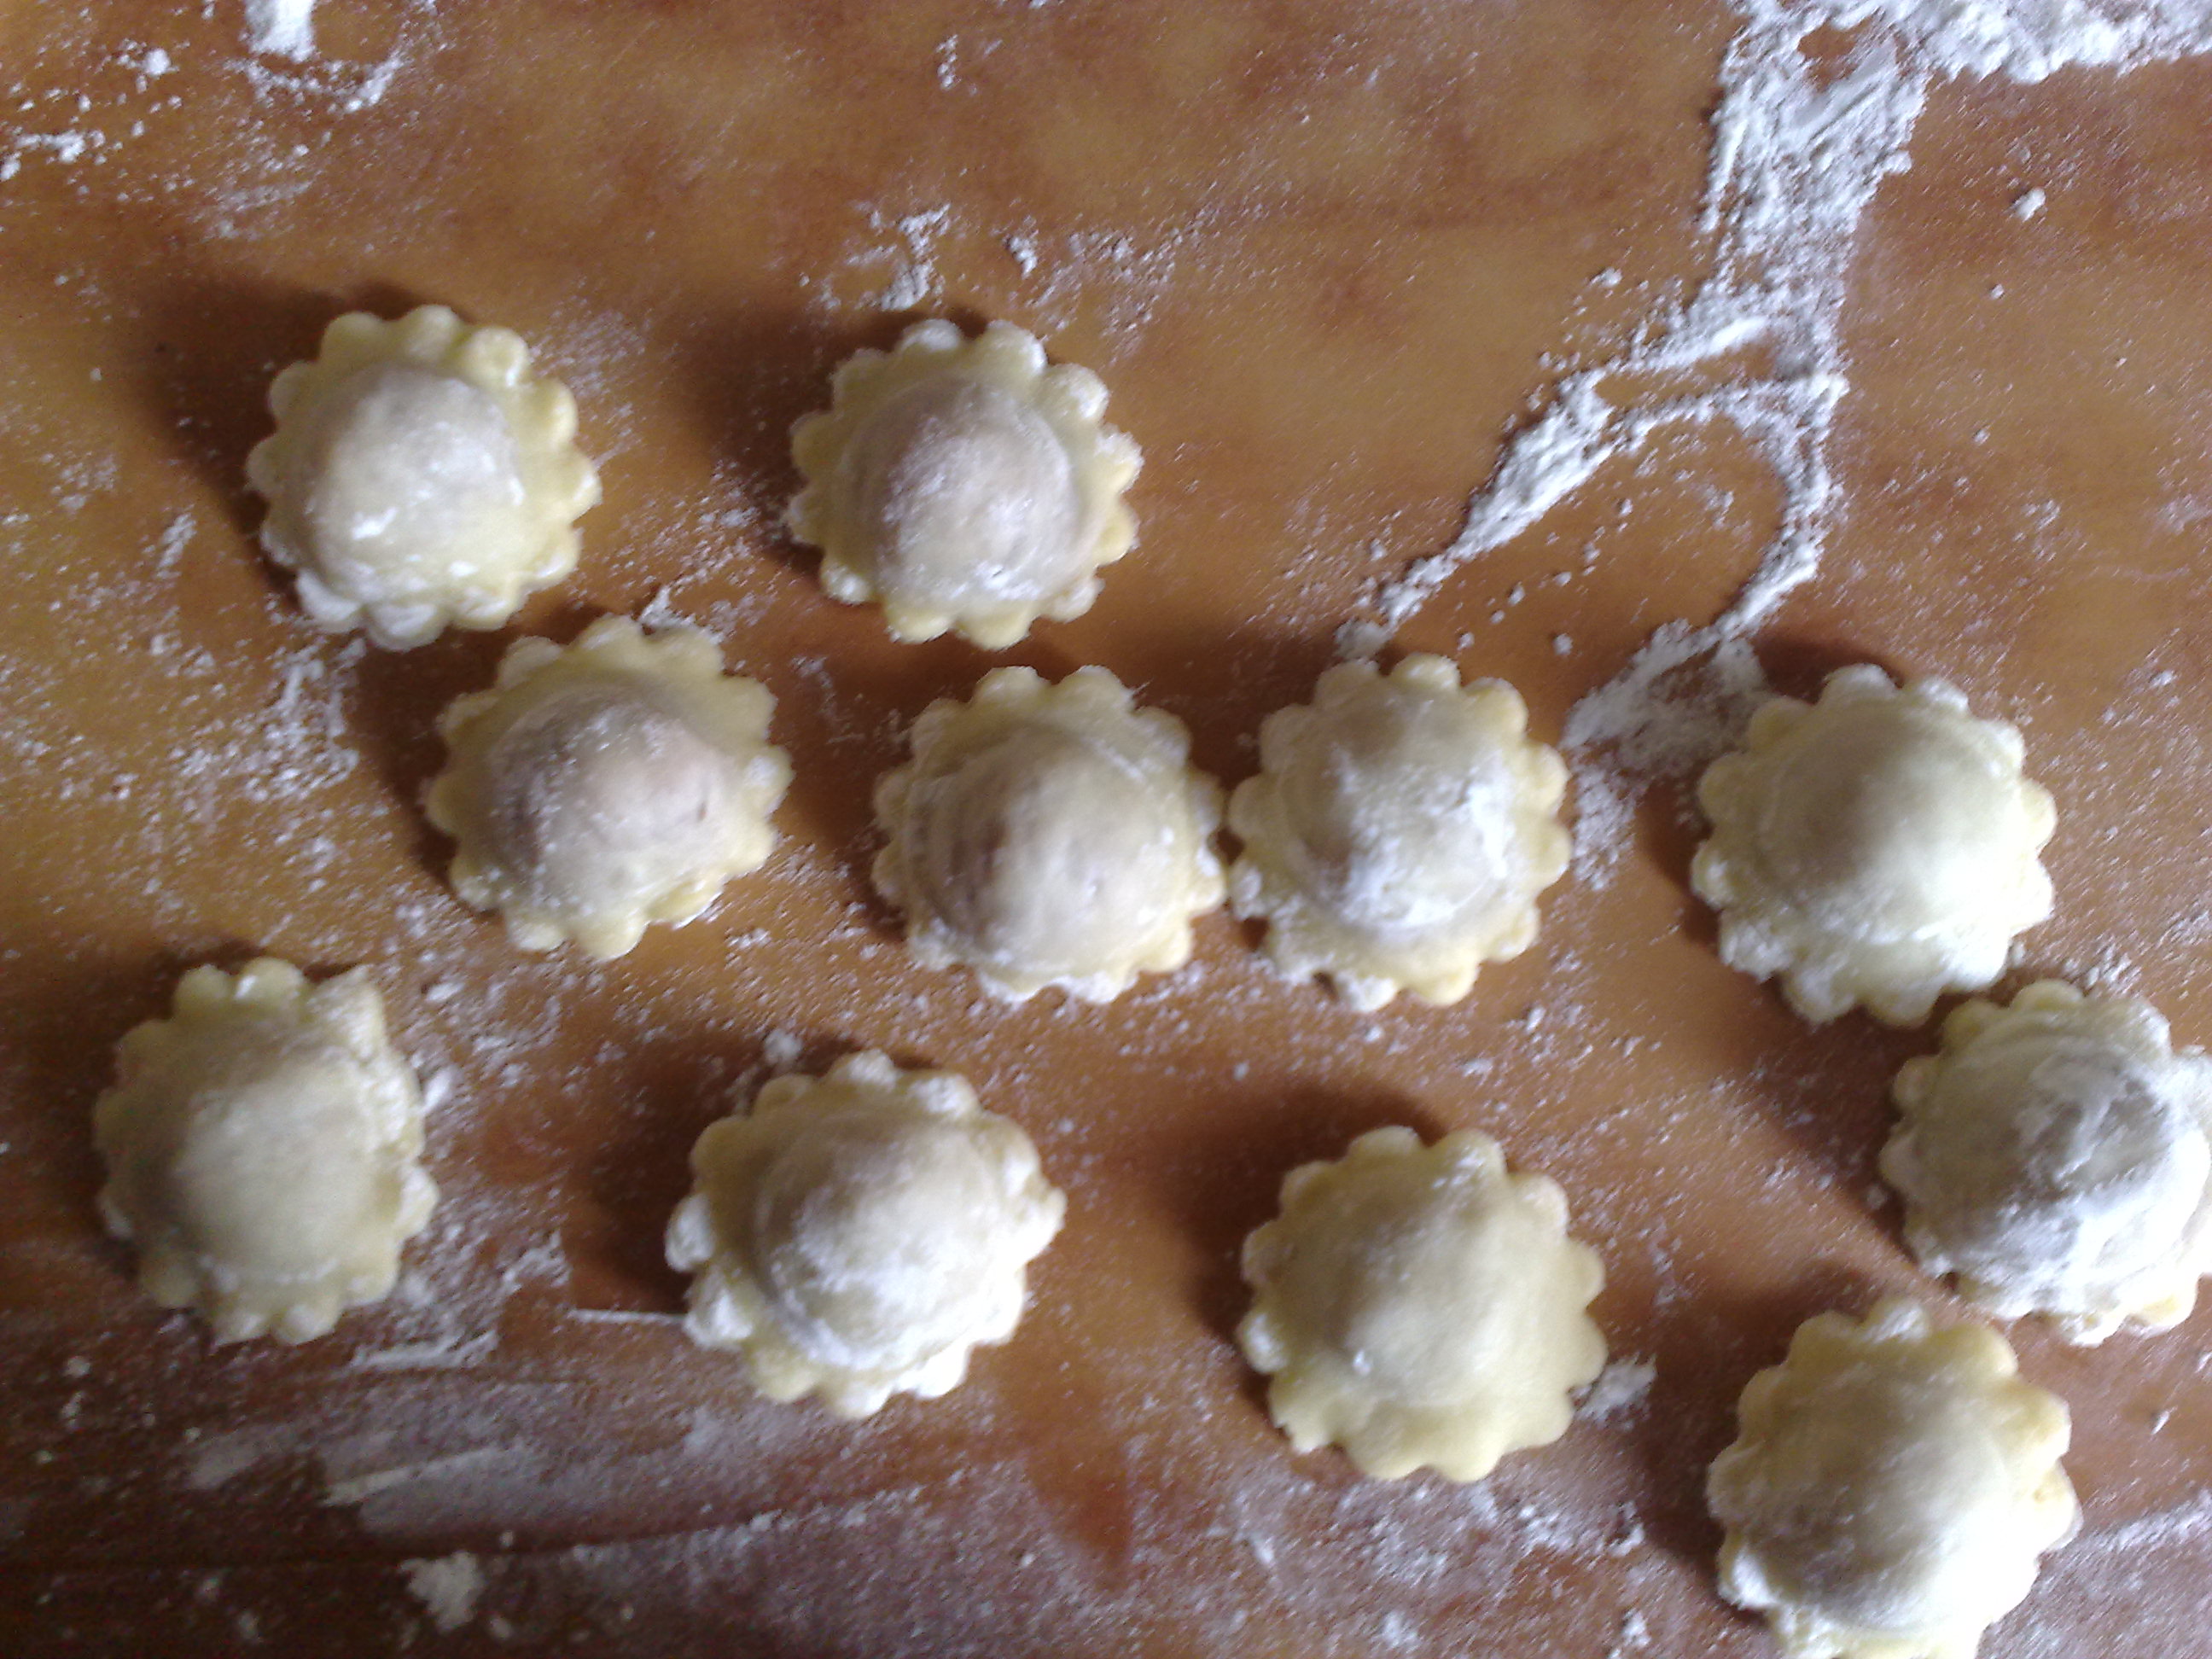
1799, 148
2031, 39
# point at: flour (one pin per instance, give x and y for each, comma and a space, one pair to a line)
1622, 1384
2030, 39
448, 1586
921, 258
1799, 149
914, 280
282, 29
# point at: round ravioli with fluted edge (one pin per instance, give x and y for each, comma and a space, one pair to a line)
2057, 1156
1049, 835
420, 477
1879, 846
1421, 1307
963, 485
606, 785
1891, 1488
856, 1235
1399, 831
262, 1146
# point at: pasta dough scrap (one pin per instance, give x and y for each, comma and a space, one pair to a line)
2057, 1156
1890, 1489
420, 477
1050, 835
964, 483
1878, 847
1421, 1307
608, 785
1399, 831
855, 1235
262, 1146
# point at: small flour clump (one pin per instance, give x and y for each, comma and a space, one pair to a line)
447, 1586
284, 28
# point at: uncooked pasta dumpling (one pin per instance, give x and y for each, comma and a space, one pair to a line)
1421, 1307
1050, 835
1399, 831
1890, 1488
599, 787
855, 1235
261, 1147
963, 485
420, 477
1878, 847
2057, 1156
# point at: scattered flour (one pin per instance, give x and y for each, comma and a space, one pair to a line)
1799, 149
780, 1050
1621, 1384
903, 265
447, 1586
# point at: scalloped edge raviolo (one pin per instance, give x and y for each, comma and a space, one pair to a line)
556, 483
1847, 1456
1421, 1307
832, 451
1843, 923
809, 1197
933, 861
2059, 1259
672, 674
1502, 795
208, 1161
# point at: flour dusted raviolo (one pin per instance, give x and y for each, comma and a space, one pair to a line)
1049, 835
1878, 847
964, 483
261, 1147
855, 1235
1890, 1488
420, 477
2057, 1156
600, 788
1421, 1307
1399, 831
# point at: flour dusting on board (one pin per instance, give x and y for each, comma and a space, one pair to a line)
900, 264
1801, 142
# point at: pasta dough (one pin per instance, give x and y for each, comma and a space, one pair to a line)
261, 1145
1878, 847
1890, 1488
964, 483
2057, 1156
1049, 835
419, 476
1421, 1307
856, 1235
1399, 831
600, 788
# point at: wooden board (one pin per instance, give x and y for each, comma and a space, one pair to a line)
1326, 257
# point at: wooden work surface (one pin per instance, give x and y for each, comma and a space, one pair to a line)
1326, 257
